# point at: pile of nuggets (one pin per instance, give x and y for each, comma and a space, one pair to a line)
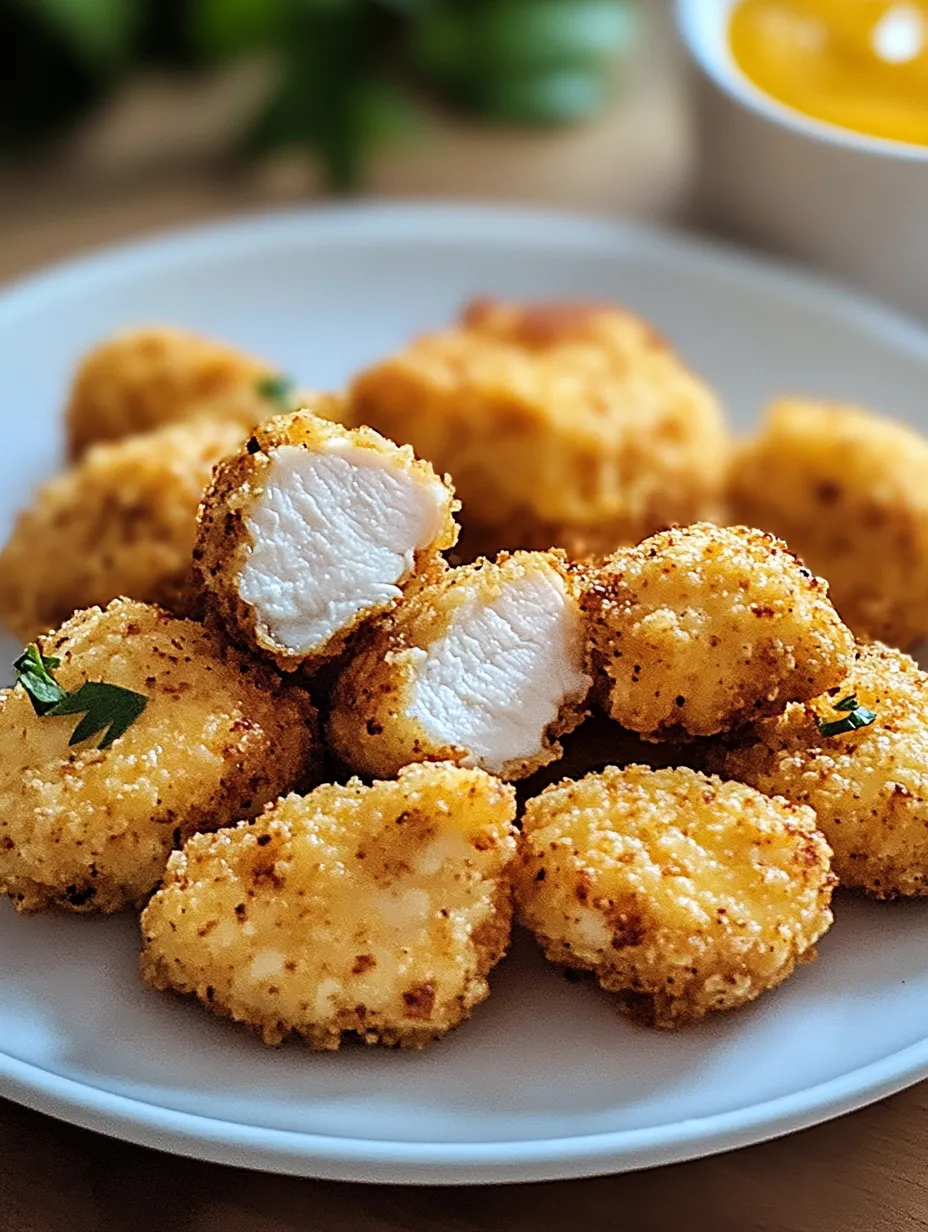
346, 661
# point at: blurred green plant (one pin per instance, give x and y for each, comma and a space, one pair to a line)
347, 73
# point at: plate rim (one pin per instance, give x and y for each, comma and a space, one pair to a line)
425, 218
379, 1161
406, 1162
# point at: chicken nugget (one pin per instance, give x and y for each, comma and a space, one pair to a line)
701, 628
311, 529
848, 491
868, 785
122, 521
568, 423
375, 910
146, 378
484, 666
681, 893
89, 826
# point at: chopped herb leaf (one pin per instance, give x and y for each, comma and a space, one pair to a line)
847, 703
853, 718
279, 389
107, 708
34, 673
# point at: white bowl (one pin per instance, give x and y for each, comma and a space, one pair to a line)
856, 206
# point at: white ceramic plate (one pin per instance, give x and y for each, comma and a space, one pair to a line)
546, 1080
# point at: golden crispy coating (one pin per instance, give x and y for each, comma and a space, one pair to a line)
701, 628
146, 378
313, 528
681, 893
848, 491
485, 665
122, 521
376, 910
90, 829
565, 423
869, 788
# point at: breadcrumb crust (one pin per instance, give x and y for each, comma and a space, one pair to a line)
140, 380
700, 629
568, 424
848, 490
869, 788
377, 911
121, 521
683, 894
90, 829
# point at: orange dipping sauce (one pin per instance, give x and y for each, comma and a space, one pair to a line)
859, 64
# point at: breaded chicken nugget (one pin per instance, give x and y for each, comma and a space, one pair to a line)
869, 787
376, 910
146, 378
122, 521
313, 528
562, 423
681, 893
90, 828
848, 491
701, 628
484, 666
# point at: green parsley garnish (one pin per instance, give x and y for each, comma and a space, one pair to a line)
854, 717
107, 708
279, 389
34, 673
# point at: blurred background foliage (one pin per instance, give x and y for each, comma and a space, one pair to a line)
345, 75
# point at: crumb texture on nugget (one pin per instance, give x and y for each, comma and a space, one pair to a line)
89, 828
122, 521
313, 528
484, 666
848, 491
145, 378
869, 787
683, 894
568, 423
699, 629
374, 910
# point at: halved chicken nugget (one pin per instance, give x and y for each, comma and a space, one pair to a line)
701, 628
848, 490
376, 910
484, 666
311, 529
868, 785
90, 828
122, 521
681, 893
146, 378
565, 423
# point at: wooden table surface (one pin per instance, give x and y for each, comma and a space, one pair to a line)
863, 1173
